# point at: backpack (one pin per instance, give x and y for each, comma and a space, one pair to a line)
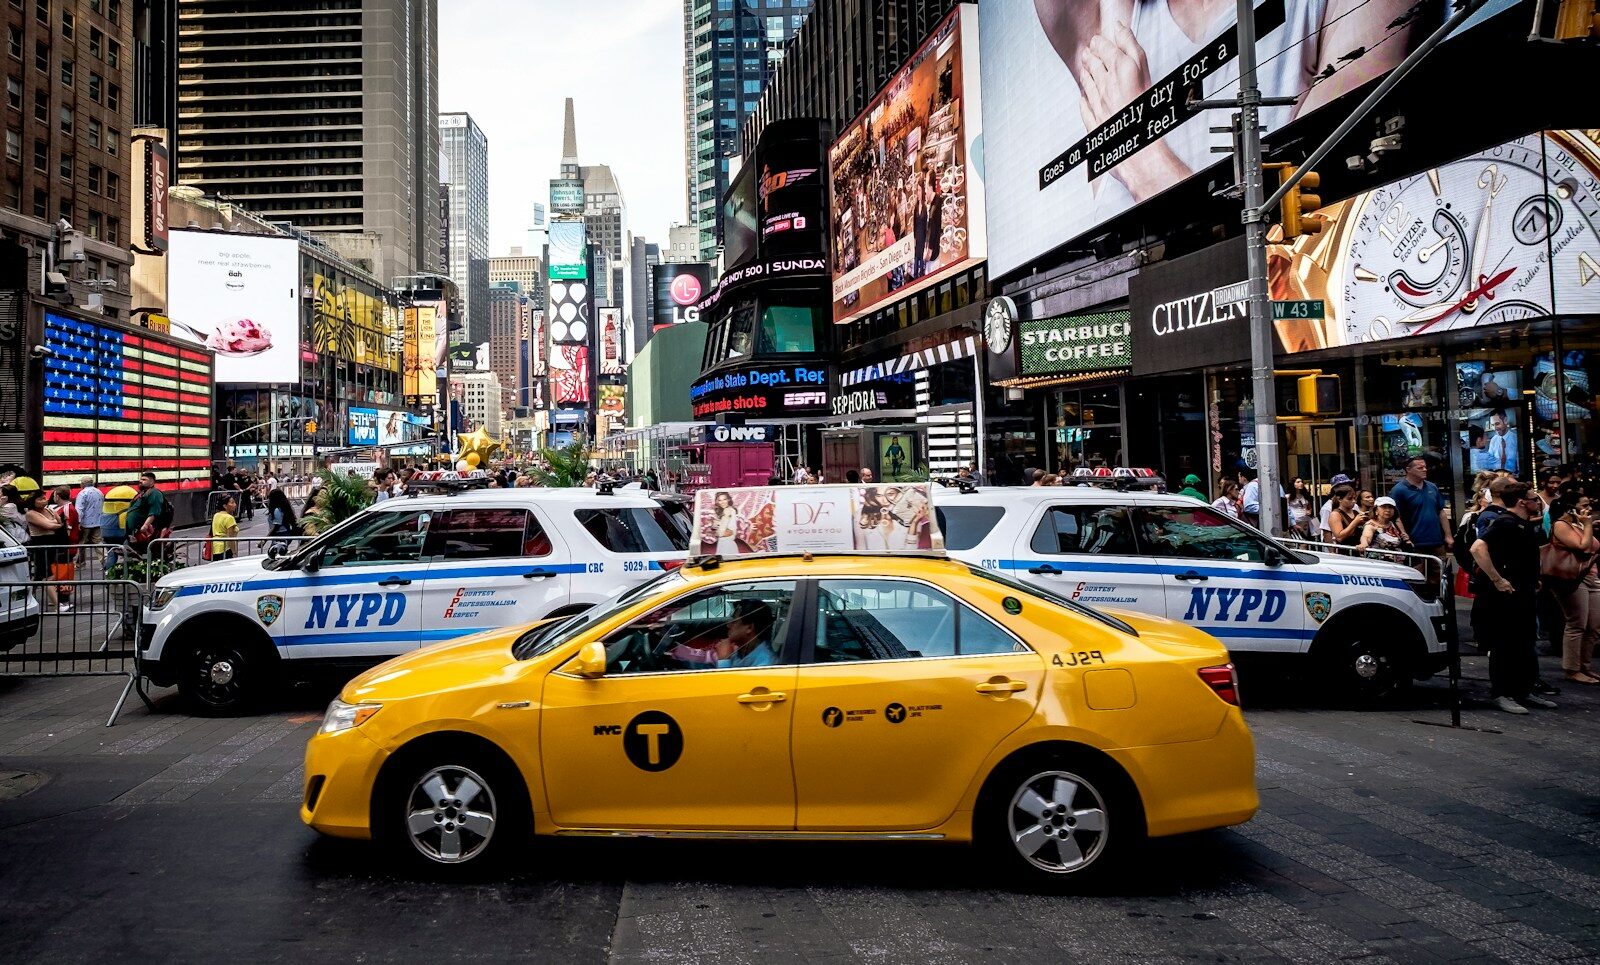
1466, 535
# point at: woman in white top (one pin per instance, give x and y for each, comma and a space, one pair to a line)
727, 520
1227, 503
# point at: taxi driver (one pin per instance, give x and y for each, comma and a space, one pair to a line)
749, 640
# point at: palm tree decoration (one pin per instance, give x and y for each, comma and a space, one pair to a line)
339, 496
564, 467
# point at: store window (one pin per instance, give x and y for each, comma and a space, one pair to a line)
787, 328
1086, 429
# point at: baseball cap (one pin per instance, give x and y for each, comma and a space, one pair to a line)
1191, 480
1339, 479
1383, 501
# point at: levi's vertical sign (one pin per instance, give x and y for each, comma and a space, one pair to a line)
1076, 343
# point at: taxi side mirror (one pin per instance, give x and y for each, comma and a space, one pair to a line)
591, 660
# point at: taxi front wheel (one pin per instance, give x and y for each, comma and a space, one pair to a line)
1057, 822
450, 809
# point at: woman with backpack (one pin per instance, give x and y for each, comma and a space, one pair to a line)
1568, 570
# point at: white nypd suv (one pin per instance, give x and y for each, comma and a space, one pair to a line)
402, 573
1369, 626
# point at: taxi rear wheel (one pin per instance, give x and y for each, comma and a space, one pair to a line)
1057, 822
450, 808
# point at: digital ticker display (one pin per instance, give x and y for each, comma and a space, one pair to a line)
119, 401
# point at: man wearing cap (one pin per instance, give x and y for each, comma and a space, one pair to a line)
1191, 488
1422, 509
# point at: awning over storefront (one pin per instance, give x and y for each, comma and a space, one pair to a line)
1053, 381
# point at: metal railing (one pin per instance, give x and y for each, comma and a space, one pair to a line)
72, 628
171, 553
1435, 569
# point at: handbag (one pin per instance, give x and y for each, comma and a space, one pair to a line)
63, 573
1558, 563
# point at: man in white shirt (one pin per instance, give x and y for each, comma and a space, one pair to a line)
90, 503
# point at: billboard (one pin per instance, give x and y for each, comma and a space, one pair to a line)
568, 242
118, 401
908, 198
363, 427
238, 295
770, 390
1075, 343
823, 519
678, 288
571, 309
569, 375
1506, 234
1086, 110
566, 195
740, 220
421, 380
611, 362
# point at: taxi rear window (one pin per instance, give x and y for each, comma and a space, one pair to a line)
634, 530
966, 526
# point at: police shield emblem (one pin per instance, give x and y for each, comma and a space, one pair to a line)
1319, 605
268, 608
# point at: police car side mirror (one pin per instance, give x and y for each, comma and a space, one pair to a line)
1272, 557
311, 563
590, 661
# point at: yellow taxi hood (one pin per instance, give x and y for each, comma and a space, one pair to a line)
1178, 639
479, 659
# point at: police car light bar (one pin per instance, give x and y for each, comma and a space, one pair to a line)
766, 521
446, 481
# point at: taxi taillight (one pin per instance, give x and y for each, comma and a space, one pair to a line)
1224, 680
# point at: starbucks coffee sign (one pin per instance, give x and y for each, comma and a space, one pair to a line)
1076, 343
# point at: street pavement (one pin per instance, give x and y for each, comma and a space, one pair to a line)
1381, 837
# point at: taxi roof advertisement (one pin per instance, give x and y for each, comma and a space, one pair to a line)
908, 193
1073, 149
762, 520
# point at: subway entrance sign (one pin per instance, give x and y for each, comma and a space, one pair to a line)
1308, 308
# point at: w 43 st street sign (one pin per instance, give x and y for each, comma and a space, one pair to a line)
1310, 308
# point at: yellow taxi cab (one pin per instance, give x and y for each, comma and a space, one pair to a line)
800, 697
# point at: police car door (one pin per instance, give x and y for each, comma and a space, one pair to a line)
1219, 577
360, 595
1086, 552
492, 567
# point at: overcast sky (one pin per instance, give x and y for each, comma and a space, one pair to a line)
511, 65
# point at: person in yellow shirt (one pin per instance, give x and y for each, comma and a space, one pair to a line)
223, 527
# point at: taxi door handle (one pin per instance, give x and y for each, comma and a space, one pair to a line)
394, 581
1191, 577
764, 697
1001, 686
538, 574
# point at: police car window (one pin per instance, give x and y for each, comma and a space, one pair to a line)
966, 526
1198, 533
485, 534
382, 537
1084, 529
726, 627
634, 530
898, 620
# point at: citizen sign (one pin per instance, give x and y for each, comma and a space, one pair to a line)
1196, 311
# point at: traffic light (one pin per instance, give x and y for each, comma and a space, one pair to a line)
1298, 201
311, 427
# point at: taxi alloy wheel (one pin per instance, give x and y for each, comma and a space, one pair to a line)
451, 814
1057, 822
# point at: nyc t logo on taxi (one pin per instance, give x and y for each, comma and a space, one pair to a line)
387, 607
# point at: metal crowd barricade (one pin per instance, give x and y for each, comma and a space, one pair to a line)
1441, 572
72, 628
169, 553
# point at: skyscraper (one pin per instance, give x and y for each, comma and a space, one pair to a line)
730, 49
466, 152
323, 114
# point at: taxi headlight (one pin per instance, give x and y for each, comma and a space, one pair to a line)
162, 596
342, 716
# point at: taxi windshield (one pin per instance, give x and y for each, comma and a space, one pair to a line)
546, 636
1055, 598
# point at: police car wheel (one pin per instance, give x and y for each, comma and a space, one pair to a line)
1057, 823
1369, 670
219, 677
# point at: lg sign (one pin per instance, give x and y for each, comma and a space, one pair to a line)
685, 290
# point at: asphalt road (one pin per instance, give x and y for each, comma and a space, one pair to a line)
1380, 838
